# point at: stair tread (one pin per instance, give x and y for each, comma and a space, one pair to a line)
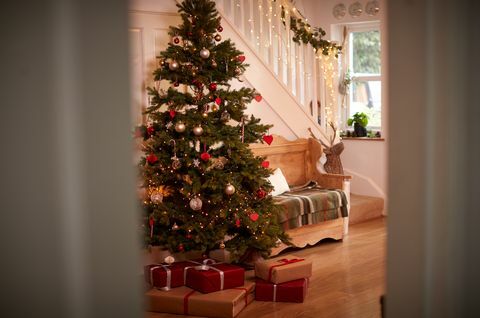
363, 208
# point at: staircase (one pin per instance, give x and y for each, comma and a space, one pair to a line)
364, 208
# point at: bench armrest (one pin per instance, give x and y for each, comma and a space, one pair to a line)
332, 181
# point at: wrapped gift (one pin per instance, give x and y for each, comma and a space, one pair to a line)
185, 301
283, 270
211, 276
167, 276
292, 292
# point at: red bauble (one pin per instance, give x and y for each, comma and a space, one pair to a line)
172, 113
151, 221
254, 216
189, 236
220, 28
150, 130
190, 34
181, 248
237, 222
212, 86
266, 164
261, 193
218, 101
151, 159
176, 84
176, 40
268, 139
205, 156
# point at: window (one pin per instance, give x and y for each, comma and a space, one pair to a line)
363, 61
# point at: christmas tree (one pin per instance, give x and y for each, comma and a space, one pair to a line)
204, 187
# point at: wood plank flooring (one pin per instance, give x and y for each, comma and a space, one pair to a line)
348, 278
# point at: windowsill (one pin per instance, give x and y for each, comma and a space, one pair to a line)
363, 138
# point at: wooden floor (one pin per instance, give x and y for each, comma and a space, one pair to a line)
348, 278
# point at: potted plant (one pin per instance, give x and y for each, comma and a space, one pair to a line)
360, 122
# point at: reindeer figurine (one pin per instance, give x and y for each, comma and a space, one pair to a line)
332, 152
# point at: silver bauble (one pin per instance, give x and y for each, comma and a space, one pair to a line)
229, 189
198, 130
180, 127
173, 65
196, 204
204, 53
156, 197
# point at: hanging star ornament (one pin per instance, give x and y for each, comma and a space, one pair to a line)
196, 162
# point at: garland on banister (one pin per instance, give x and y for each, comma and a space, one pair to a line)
304, 33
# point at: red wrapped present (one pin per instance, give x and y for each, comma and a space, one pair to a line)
211, 276
165, 277
185, 301
280, 270
292, 292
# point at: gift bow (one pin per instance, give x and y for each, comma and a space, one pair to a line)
283, 262
169, 276
204, 266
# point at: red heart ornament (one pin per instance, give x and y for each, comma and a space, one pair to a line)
218, 101
172, 113
268, 139
205, 156
241, 58
258, 97
254, 216
150, 130
237, 223
151, 159
266, 164
261, 193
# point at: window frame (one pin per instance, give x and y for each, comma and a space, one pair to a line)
348, 61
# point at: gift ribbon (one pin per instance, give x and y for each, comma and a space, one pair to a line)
274, 292
185, 302
283, 262
169, 276
246, 294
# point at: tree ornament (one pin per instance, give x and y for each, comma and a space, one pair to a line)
162, 62
188, 236
196, 204
173, 65
204, 114
172, 113
156, 197
218, 37
205, 156
268, 139
204, 53
150, 130
169, 260
174, 226
258, 97
151, 222
261, 193
198, 130
212, 87
176, 84
237, 223
225, 116
152, 159
214, 107
241, 58
214, 64
238, 71
181, 248
176, 40
253, 216
265, 164
180, 127
222, 245
229, 189
220, 28
196, 162
176, 163
218, 101
190, 34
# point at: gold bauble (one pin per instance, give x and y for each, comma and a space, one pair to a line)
180, 127
229, 189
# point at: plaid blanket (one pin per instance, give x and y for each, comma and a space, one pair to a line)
310, 204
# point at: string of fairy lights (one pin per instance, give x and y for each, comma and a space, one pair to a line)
274, 25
